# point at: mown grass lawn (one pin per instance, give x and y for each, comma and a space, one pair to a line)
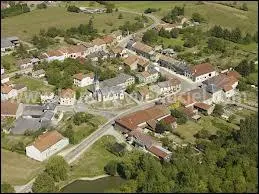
17, 169
26, 25
93, 161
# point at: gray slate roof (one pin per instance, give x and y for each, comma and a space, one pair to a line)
5, 43
35, 110
121, 78
21, 125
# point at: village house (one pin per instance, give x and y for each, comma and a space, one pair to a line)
149, 76
204, 108
38, 74
4, 79
119, 52
131, 62
202, 72
170, 86
9, 43
53, 55
46, 96
179, 67
143, 93
8, 92
24, 63
222, 86
10, 109
99, 44
20, 88
143, 49
89, 48
140, 118
117, 35
34, 117
46, 145
82, 80
67, 97
170, 120
95, 56
199, 95
109, 40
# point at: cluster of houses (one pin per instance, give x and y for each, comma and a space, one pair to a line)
92, 10
133, 125
8, 44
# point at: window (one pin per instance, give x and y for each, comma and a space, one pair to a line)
209, 74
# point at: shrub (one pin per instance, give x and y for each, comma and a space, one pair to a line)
111, 168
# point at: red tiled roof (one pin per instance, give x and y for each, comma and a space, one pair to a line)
53, 53
188, 111
9, 108
132, 120
108, 39
145, 139
143, 62
67, 93
117, 50
158, 152
202, 105
47, 140
202, 69
145, 74
81, 76
169, 119
5, 89
142, 47
235, 74
130, 60
143, 91
98, 41
227, 88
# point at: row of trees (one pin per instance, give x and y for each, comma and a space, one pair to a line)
56, 170
14, 9
228, 164
172, 16
234, 35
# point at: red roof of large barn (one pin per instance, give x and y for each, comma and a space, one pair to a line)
158, 152
202, 69
169, 119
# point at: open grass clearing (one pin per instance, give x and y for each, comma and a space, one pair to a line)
26, 25
93, 161
33, 84
7, 141
17, 169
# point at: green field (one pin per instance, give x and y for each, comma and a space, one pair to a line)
12, 61
93, 161
190, 128
215, 14
17, 169
33, 84
26, 25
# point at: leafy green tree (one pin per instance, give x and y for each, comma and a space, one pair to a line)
70, 134
197, 17
150, 37
218, 110
216, 44
120, 16
174, 33
204, 134
44, 183
245, 67
180, 116
161, 127
164, 33
244, 7
57, 168
77, 94
111, 168
7, 188
73, 8
42, 6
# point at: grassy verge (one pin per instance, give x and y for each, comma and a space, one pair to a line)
17, 169
93, 161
